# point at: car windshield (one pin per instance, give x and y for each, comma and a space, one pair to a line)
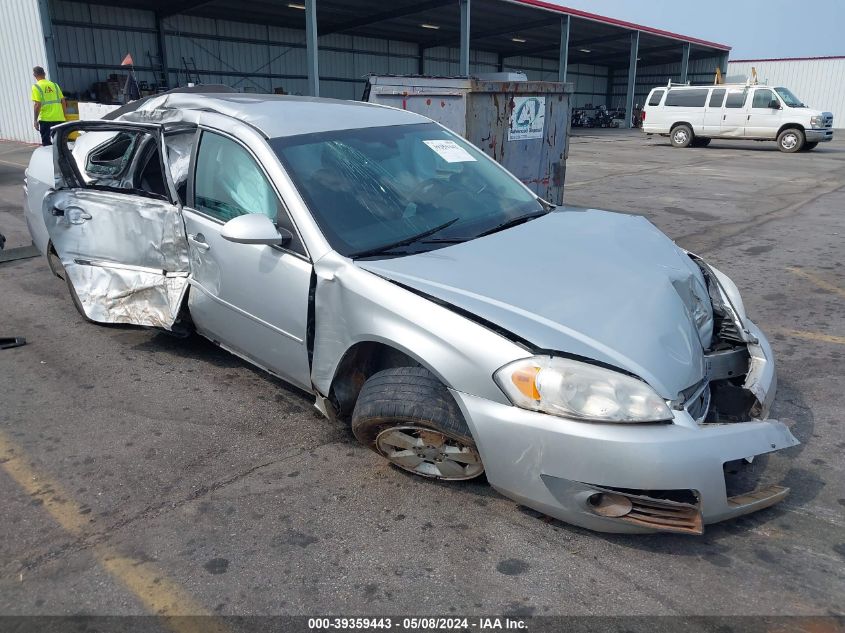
414, 187
789, 99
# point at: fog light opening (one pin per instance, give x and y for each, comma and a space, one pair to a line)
608, 504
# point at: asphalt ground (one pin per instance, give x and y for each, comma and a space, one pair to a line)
145, 474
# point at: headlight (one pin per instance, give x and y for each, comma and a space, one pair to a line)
572, 389
817, 121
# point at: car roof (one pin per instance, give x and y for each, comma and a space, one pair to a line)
284, 115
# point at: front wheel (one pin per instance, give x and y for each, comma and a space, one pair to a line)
681, 136
407, 415
791, 140
809, 146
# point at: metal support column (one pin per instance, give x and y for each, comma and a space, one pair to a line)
465, 11
49, 40
564, 49
685, 63
311, 47
723, 64
162, 50
632, 77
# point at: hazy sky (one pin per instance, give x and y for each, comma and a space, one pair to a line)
754, 28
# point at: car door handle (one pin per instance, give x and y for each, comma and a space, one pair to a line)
198, 240
74, 215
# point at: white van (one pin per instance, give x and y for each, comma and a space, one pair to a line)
692, 115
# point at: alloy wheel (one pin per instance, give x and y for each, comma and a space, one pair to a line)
429, 453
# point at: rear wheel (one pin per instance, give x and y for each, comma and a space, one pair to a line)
407, 415
681, 136
809, 145
791, 140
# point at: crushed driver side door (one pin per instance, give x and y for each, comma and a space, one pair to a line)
115, 222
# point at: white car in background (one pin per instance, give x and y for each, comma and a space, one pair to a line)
692, 115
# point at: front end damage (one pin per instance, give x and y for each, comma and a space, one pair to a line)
672, 477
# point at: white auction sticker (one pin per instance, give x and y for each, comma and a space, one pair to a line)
528, 118
450, 151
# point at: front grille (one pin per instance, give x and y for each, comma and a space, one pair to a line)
667, 510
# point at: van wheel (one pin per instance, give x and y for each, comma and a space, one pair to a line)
791, 140
700, 142
681, 136
809, 146
407, 415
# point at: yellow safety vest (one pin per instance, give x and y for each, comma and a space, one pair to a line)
50, 96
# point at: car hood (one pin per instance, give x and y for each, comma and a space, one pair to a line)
590, 283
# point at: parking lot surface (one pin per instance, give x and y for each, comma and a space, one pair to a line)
143, 473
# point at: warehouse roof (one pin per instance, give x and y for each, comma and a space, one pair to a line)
508, 27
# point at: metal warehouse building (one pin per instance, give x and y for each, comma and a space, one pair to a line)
817, 81
328, 47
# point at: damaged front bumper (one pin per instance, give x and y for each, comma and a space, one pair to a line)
631, 478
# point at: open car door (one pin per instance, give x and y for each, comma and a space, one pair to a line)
115, 222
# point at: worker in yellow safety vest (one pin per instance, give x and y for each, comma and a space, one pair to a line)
49, 104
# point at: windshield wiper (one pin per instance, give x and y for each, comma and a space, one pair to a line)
405, 242
513, 222
548, 206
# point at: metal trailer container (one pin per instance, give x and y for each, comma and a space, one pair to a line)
524, 125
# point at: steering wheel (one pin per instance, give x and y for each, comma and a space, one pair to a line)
426, 189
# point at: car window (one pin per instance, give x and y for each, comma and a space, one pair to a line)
717, 97
736, 98
762, 98
229, 182
686, 98
120, 160
655, 98
111, 159
371, 187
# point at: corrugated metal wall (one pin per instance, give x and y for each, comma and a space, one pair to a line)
90, 41
700, 71
820, 83
19, 55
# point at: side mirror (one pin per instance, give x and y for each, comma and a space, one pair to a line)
255, 228
774, 104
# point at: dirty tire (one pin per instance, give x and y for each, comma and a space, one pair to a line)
681, 136
700, 142
809, 146
407, 415
76, 302
55, 264
791, 140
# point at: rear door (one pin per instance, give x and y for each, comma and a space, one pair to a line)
113, 219
713, 113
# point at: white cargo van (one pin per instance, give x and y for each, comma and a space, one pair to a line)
692, 115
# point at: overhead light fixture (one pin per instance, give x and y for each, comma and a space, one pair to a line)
433, 27
585, 50
294, 5
518, 40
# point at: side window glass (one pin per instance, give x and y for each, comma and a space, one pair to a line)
111, 158
126, 160
656, 96
717, 97
229, 183
736, 98
762, 98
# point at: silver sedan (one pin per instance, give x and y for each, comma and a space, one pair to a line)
591, 368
